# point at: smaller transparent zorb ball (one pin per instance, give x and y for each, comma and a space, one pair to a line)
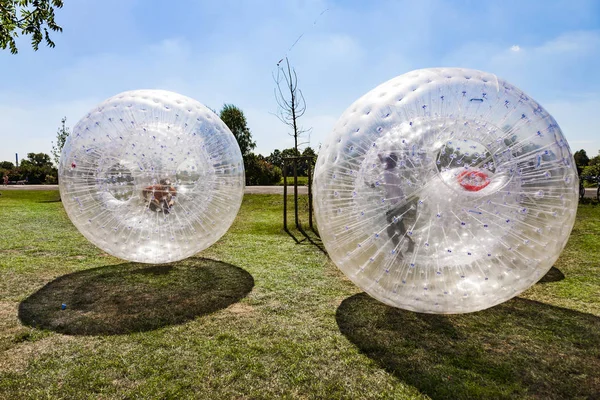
151, 176
445, 190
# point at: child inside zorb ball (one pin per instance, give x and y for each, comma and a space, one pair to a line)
400, 209
151, 176
160, 197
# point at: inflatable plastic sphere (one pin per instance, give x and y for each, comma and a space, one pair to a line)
445, 190
151, 176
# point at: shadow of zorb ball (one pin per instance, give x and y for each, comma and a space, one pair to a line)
151, 176
445, 190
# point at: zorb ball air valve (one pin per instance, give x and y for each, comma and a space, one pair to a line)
151, 176
445, 190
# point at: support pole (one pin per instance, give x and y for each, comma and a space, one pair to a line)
296, 192
284, 195
310, 210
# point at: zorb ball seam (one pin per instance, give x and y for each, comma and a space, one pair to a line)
445, 190
151, 176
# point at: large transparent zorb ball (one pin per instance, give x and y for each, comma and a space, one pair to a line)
151, 176
445, 190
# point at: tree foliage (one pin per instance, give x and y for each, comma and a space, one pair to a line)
581, 160
235, 120
37, 159
291, 152
6, 165
62, 134
309, 152
591, 171
37, 168
7, 169
27, 17
259, 171
595, 160
290, 100
277, 156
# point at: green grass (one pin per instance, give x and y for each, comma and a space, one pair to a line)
259, 316
302, 181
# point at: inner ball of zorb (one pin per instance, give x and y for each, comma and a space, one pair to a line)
151, 176
445, 191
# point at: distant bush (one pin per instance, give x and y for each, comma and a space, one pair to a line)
260, 172
302, 181
35, 168
277, 158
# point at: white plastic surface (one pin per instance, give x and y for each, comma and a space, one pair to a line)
151, 176
445, 190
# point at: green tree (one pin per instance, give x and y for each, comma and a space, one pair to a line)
302, 166
27, 17
62, 134
7, 168
4, 172
37, 167
308, 152
275, 158
38, 159
236, 122
591, 172
6, 165
291, 152
581, 160
595, 160
259, 171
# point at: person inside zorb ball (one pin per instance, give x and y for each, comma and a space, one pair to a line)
151, 176
445, 190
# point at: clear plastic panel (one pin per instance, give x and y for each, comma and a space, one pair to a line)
445, 191
151, 176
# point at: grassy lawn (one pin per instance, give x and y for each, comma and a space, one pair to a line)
259, 316
302, 181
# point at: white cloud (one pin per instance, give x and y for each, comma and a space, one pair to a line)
573, 43
551, 73
347, 53
546, 71
29, 122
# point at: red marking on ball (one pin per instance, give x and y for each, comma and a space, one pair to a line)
473, 181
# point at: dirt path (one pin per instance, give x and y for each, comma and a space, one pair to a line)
589, 192
249, 189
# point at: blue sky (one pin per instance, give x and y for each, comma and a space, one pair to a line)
225, 52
